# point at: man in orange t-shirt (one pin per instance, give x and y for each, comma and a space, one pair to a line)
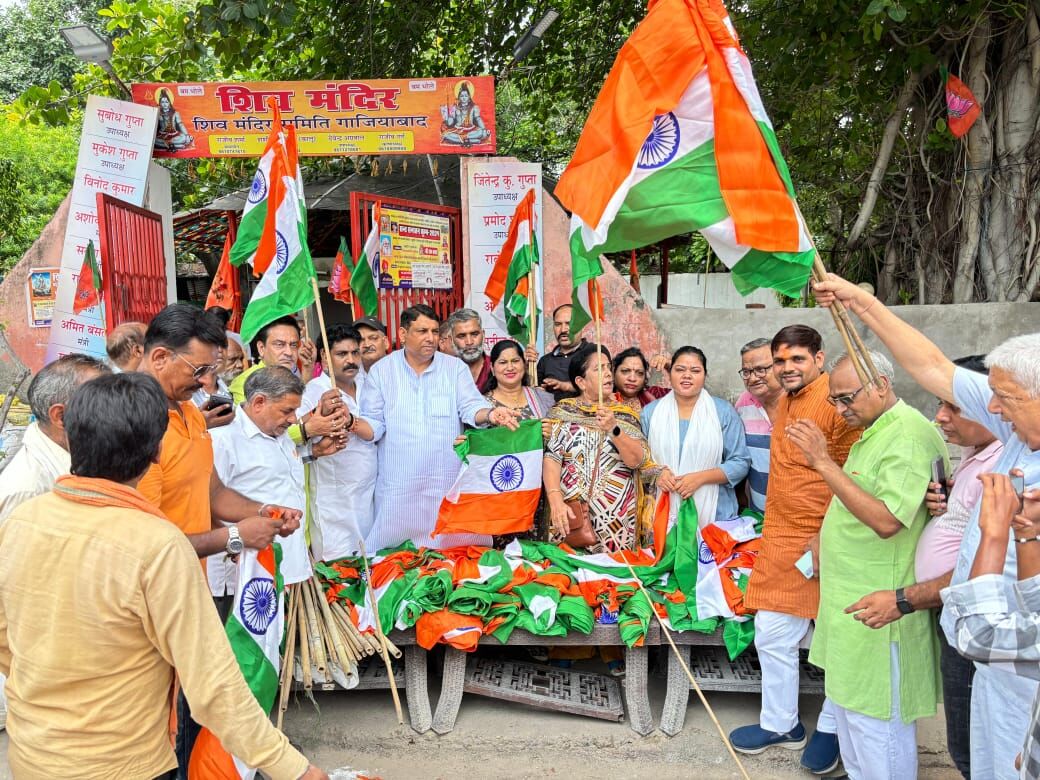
182, 345
785, 599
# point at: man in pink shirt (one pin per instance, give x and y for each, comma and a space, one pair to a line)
951, 507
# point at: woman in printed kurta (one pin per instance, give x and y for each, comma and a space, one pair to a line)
593, 454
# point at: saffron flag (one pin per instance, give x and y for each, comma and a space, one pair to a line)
339, 279
362, 279
962, 109
499, 484
254, 631
510, 278
287, 284
88, 286
679, 140
225, 291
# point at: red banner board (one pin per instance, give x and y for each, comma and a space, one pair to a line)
387, 116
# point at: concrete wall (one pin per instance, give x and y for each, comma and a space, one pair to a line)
703, 291
964, 329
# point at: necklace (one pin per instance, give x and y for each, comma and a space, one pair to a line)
518, 401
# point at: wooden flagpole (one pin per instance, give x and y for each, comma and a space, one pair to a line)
532, 326
596, 314
384, 651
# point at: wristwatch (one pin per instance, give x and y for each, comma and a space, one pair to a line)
902, 604
234, 542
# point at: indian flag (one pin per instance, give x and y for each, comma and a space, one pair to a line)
500, 482
287, 284
362, 280
256, 214
679, 140
254, 631
510, 278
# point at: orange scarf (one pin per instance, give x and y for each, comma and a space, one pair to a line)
103, 492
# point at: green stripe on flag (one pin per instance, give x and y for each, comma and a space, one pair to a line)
785, 272
260, 674
499, 440
293, 292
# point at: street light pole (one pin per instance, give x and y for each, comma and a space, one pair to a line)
88, 46
529, 41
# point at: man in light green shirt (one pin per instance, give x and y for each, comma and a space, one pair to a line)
882, 680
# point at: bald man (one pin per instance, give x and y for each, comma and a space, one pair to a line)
125, 346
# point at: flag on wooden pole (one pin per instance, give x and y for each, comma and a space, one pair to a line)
510, 277
679, 140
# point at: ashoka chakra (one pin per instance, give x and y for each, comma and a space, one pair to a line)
259, 189
661, 145
259, 605
507, 473
281, 251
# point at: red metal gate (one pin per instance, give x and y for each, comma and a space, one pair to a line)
392, 302
133, 264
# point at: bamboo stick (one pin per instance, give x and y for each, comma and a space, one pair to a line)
383, 642
305, 656
313, 632
595, 318
289, 660
323, 603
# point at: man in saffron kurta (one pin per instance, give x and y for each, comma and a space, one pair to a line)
795, 505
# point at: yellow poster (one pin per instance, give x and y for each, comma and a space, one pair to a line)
414, 250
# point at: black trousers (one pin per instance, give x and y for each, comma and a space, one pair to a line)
957, 674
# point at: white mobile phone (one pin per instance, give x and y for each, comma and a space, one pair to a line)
805, 566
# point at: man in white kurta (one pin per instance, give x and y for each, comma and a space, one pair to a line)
417, 400
254, 455
342, 485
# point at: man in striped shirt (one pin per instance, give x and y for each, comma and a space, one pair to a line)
757, 407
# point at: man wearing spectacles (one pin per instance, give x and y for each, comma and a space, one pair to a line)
757, 407
786, 600
881, 680
1007, 402
182, 344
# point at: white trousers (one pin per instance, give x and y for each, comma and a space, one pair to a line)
874, 749
777, 639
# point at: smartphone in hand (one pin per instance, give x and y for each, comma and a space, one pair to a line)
1018, 484
939, 476
216, 401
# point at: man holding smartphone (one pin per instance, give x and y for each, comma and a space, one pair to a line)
950, 503
1008, 405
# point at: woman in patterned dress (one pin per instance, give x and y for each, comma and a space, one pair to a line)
593, 454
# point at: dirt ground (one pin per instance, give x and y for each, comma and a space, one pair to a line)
358, 731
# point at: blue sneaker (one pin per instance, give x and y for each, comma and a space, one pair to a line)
754, 739
821, 755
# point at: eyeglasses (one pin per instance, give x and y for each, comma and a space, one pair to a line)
848, 399
758, 371
197, 371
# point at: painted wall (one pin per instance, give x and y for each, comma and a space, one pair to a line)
711, 291
30, 344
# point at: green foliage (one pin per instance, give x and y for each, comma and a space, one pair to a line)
36, 169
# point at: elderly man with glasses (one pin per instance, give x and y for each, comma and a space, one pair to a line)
757, 407
881, 680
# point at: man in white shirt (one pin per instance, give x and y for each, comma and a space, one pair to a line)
254, 456
125, 346
342, 484
416, 401
44, 456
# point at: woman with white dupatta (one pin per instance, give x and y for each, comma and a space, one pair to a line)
698, 440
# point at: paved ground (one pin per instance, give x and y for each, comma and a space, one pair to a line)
492, 739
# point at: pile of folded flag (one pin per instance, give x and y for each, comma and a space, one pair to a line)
457, 596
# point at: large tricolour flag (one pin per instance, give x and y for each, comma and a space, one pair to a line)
510, 278
500, 482
678, 140
286, 285
254, 631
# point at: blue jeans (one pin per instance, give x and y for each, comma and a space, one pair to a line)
957, 673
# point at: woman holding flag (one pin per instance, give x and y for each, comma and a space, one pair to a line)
593, 455
508, 384
697, 439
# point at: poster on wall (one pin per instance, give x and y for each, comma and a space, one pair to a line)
41, 289
494, 189
382, 116
114, 151
414, 250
